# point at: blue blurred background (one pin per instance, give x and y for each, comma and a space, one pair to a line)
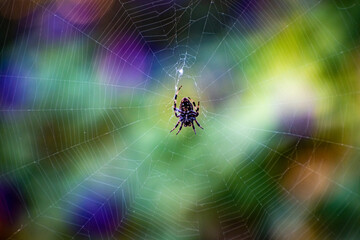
86, 98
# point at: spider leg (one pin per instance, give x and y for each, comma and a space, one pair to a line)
176, 111
193, 127
198, 124
180, 128
197, 108
177, 124
175, 97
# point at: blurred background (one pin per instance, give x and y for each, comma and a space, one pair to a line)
86, 98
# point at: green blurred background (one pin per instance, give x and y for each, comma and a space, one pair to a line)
87, 90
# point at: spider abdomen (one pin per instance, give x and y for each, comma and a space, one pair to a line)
186, 105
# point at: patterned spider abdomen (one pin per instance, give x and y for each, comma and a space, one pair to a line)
186, 105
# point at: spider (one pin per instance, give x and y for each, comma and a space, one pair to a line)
187, 115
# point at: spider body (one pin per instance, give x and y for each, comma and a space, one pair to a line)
186, 113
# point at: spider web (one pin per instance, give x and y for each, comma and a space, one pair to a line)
86, 107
